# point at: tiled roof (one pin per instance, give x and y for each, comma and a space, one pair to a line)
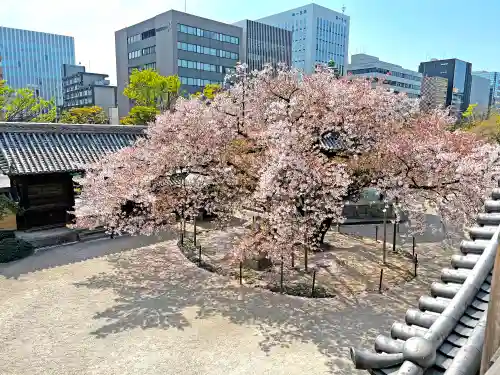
29, 148
331, 142
445, 334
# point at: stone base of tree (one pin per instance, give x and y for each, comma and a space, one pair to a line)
346, 267
258, 263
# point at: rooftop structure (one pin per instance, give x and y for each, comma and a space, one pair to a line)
395, 77
445, 335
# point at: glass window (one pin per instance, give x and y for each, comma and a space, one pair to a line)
184, 64
213, 51
184, 29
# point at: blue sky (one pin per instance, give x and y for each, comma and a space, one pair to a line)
403, 32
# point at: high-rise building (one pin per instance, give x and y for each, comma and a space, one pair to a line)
32, 59
319, 35
264, 44
433, 92
394, 77
494, 78
85, 89
459, 76
200, 51
480, 95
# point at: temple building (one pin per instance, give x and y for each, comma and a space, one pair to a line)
40, 161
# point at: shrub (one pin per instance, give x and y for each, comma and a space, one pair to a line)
7, 234
13, 249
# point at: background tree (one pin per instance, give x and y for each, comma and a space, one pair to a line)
150, 89
84, 115
488, 129
140, 115
22, 105
209, 91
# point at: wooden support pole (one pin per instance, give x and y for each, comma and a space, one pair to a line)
380, 280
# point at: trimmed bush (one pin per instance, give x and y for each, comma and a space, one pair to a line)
13, 249
7, 234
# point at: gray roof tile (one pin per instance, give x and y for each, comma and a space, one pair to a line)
27, 148
465, 291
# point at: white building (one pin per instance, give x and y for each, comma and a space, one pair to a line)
319, 35
394, 76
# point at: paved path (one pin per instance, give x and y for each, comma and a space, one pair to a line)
99, 308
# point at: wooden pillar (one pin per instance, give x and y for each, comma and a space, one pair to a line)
492, 335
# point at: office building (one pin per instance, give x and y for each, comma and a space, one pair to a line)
494, 78
433, 92
319, 35
85, 89
480, 95
264, 44
394, 77
459, 76
31, 59
200, 51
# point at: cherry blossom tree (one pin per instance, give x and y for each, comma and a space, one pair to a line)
179, 169
296, 146
326, 139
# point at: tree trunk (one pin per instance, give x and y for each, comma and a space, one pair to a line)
323, 229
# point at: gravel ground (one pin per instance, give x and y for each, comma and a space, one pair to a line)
100, 308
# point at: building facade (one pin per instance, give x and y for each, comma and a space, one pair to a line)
480, 95
85, 89
394, 77
31, 59
494, 78
459, 76
200, 51
433, 92
319, 35
264, 44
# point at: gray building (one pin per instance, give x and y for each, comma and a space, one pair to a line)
480, 95
433, 92
200, 51
494, 78
265, 44
84, 89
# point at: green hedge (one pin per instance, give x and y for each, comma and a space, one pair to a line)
7, 234
13, 249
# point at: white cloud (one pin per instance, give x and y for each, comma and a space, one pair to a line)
91, 22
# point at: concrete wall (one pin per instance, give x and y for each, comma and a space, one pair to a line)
105, 97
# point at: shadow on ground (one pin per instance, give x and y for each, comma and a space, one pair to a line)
73, 253
155, 285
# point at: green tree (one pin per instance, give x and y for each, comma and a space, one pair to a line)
22, 105
209, 91
84, 115
140, 115
7, 206
150, 89
332, 65
488, 129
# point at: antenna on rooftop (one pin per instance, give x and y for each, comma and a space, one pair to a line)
343, 8
185, 6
